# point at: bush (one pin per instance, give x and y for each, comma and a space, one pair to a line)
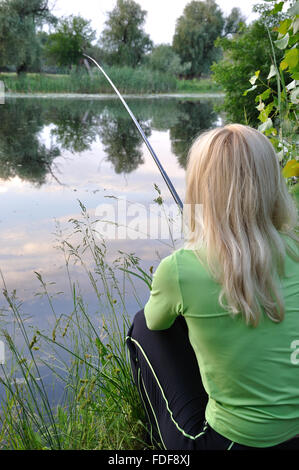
164, 59
244, 53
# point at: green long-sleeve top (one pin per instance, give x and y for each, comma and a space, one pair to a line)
251, 374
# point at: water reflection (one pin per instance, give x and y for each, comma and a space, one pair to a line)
76, 127
192, 118
22, 153
76, 124
122, 142
54, 152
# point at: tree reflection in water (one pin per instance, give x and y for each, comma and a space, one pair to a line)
76, 124
22, 153
193, 117
122, 142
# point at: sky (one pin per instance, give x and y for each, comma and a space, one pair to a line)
161, 14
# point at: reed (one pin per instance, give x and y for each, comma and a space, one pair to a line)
99, 407
203, 85
127, 80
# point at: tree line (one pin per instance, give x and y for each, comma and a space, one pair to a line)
33, 39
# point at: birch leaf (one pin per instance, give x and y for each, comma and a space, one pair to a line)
272, 72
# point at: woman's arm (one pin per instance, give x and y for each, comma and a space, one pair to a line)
165, 302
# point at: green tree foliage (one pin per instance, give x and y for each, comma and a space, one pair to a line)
73, 36
123, 40
278, 98
196, 30
19, 22
233, 22
244, 53
164, 59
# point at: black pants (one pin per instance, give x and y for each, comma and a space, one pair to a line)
166, 372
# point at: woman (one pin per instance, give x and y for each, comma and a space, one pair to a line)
214, 353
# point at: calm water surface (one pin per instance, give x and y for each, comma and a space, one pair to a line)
57, 152
54, 152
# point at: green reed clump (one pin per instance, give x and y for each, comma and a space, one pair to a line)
127, 80
204, 85
100, 407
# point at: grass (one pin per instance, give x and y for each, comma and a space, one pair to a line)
127, 80
204, 85
100, 407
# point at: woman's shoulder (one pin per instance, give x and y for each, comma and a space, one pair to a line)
169, 264
182, 260
179, 254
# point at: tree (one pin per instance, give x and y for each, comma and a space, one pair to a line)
233, 22
244, 53
19, 22
124, 40
164, 59
196, 30
73, 36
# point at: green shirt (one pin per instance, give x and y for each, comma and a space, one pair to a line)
251, 374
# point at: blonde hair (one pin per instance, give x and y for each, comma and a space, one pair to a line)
234, 173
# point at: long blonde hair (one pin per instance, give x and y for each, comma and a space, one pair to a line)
233, 172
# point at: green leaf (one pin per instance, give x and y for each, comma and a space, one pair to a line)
284, 26
292, 57
295, 75
263, 116
295, 25
271, 131
269, 107
283, 65
249, 89
294, 39
272, 72
266, 125
291, 169
291, 85
265, 95
254, 77
283, 42
260, 106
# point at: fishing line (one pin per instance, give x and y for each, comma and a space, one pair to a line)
139, 128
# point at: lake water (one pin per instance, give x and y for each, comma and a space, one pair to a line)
55, 152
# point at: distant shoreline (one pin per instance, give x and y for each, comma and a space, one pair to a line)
130, 82
111, 96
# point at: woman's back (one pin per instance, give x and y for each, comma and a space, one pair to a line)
251, 374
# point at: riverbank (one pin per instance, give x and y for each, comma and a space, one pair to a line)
128, 81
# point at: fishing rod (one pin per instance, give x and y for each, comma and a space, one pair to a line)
162, 171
